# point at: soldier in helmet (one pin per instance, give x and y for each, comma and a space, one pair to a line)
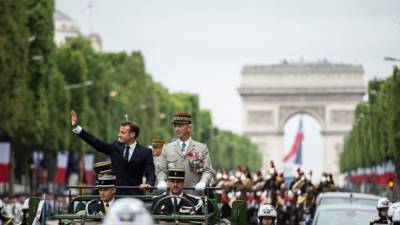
267, 215
392, 208
382, 207
396, 217
128, 211
107, 190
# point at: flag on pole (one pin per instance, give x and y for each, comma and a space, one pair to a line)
4, 161
62, 159
89, 168
295, 155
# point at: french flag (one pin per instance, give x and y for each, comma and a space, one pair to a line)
295, 155
4, 161
89, 158
62, 159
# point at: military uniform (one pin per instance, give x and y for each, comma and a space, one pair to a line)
195, 160
181, 206
98, 206
157, 143
193, 157
156, 160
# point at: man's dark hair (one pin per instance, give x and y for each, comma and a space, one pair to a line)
133, 127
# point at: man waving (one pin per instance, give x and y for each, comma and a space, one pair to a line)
130, 160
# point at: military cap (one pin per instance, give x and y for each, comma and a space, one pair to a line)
156, 143
102, 167
182, 118
176, 173
106, 181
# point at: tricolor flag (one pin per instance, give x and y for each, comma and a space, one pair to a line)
4, 161
295, 154
62, 159
89, 168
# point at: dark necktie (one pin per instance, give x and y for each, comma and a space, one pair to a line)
183, 146
126, 156
176, 205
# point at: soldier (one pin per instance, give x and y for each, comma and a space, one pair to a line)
392, 208
266, 215
396, 218
180, 201
157, 146
102, 168
106, 185
382, 207
185, 153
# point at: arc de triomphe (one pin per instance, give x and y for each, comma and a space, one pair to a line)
271, 94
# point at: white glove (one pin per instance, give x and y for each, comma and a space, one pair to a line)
162, 186
200, 186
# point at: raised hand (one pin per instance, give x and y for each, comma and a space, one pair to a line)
74, 118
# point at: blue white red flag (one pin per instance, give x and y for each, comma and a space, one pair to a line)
295, 155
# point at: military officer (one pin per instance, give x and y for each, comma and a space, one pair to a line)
107, 190
157, 145
185, 153
180, 201
382, 207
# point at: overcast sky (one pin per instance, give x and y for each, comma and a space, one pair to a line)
200, 46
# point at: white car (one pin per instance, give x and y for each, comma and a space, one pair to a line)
346, 198
344, 214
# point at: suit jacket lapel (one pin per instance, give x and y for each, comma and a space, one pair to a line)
135, 151
178, 149
191, 147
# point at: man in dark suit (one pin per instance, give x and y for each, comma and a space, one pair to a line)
130, 160
179, 202
106, 186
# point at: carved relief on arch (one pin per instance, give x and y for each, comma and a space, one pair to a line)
260, 118
318, 112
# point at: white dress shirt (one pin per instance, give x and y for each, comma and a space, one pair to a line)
131, 149
187, 142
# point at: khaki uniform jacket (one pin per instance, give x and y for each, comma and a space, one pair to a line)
195, 160
156, 160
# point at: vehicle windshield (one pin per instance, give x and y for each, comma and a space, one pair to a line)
345, 217
346, 200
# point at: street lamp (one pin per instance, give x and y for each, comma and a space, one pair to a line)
391, 59
78, 85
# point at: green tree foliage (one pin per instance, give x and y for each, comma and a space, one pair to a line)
375, 137
41, 83
121, 86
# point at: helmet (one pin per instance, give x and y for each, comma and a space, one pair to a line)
267, 211
392, 209
128, 211
383, 203
396, 215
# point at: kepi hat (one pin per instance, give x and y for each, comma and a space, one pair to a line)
182, 118
106, 181
102, 167
176, 173
157, 143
